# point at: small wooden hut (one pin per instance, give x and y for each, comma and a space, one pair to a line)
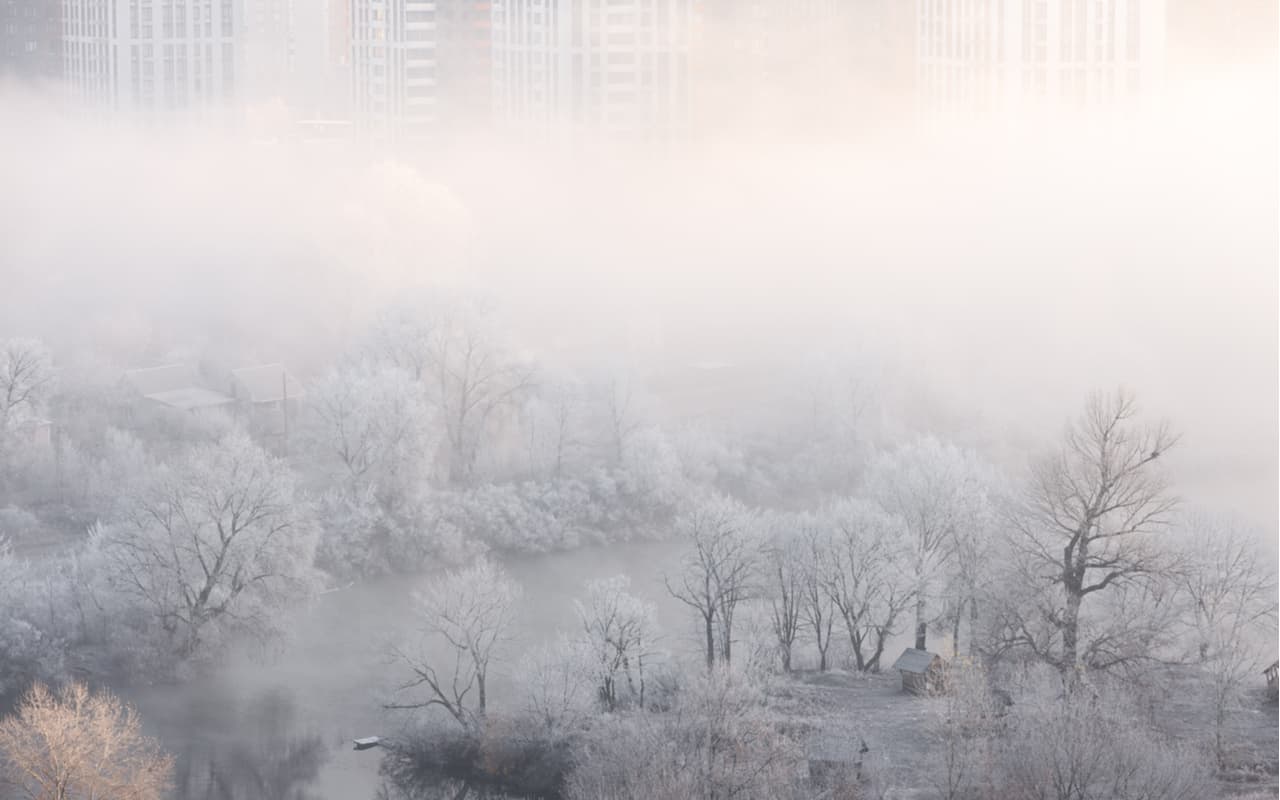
923, 673
1270, 673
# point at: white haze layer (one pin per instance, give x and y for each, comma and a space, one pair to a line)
1010, 268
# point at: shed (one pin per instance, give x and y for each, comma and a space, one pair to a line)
192, 398
922, 672
174, 386
1270, 673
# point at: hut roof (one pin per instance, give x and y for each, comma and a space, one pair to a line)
190, 398
916, 661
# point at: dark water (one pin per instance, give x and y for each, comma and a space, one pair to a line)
281, 727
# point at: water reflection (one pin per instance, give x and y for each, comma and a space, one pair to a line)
249, 751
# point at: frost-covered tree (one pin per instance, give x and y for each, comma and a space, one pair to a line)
374, 425
1092, 531
1082, 745
78, 744
616, 412
464, 618
29, 651
785, 566
719, 742
556, 428
372, 430
868, 576
618, 631
475, 378
1228, 587
651, 474
719, 571
817, 611
26, 380
940, 492
217, 543
557, 681
452, 347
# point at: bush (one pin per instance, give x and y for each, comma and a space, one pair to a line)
504, 758
1078, 742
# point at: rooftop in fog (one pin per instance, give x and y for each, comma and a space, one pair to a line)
916, 661
190, 398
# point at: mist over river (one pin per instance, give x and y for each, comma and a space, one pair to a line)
287, 720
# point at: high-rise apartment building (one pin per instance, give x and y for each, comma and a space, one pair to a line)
394, 68
421, 69
993, 55
151, 55
465, 46
618, 68
269, 51
296, 55
772, 66
31, 38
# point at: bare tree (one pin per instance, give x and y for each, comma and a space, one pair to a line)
26, 377
719, 572
217, 542
937, 490
375, 425
401, 338
618, 632
451, 348
618, 414
868, 577
557, 680
554, 418
1090, 525
817, 611
1229, 589
75, 744
464, 617
972, 569
474, 378
785, 565
1229, 586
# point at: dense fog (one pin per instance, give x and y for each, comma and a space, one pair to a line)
598, 469
1005, 269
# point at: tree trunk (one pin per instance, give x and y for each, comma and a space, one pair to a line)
711, 642
1070, 632
640, 675
921, 625
955, 630
855, 642
973, 626
873, 663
